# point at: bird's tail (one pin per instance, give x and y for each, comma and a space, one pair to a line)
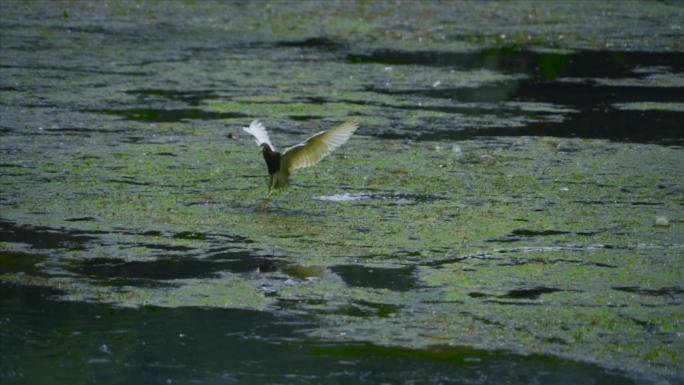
280, 179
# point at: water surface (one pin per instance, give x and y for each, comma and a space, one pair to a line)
509, 211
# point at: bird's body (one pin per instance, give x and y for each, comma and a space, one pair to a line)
279, 176
305, 154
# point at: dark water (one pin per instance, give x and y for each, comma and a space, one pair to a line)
566, 80
90, 343
55, 98
595, 115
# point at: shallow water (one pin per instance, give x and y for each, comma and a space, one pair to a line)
509, 211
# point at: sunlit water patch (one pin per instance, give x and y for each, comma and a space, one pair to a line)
385, 198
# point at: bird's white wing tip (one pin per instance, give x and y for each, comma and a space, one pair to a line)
256, 123
257, 129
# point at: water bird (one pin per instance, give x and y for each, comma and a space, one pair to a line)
305, 154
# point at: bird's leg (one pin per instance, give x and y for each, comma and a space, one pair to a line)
267, 198
270, 187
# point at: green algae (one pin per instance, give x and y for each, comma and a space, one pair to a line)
536, 245
290, 109
407, 173
664, 80
522, 215
296, 225
225, 292
650, 106
455, 25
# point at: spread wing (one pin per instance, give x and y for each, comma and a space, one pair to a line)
258, 130
317, 147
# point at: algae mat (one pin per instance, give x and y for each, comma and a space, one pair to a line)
509, 211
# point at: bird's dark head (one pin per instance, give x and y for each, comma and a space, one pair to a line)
265, 148
271, 157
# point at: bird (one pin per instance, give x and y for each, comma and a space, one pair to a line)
305, 154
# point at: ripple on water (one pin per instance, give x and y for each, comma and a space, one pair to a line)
389, 198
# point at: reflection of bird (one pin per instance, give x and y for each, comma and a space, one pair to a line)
304, 154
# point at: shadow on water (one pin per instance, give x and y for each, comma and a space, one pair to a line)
651, 126
543, 65
193, 98
532, 293
663, 291
398, 279
174, 268
20, 262
81, 219
319, 43
160, 345
160, 115
526, 234
41, 237
525, 294
565, 80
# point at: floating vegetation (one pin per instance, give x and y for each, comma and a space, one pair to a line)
650, 106
511, 200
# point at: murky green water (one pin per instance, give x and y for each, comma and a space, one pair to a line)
510, 210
